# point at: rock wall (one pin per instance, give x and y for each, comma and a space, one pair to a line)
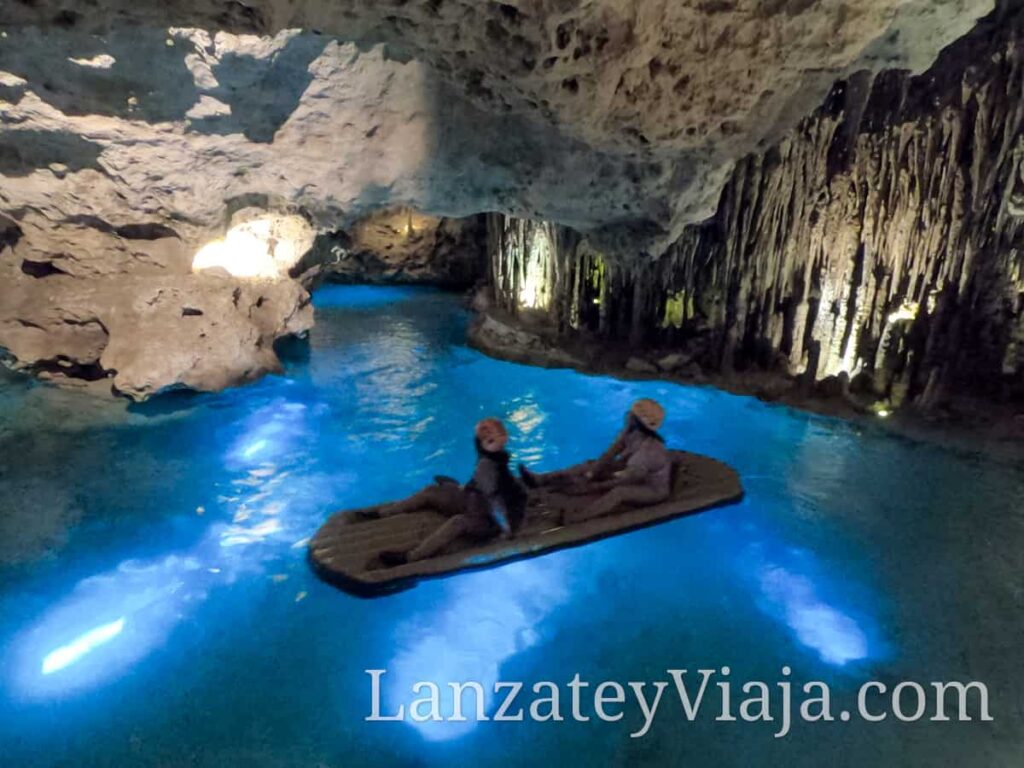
133, 131
129, 310
137, 336
881, 238
401, 245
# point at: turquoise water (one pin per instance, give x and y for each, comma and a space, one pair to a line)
156, 608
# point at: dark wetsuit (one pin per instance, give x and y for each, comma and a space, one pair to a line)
471, 508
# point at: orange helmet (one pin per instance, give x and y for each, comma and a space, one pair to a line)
492, 434
649, 413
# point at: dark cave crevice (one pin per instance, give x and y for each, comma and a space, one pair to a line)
40, 269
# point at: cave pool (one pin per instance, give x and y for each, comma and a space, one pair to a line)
156, 608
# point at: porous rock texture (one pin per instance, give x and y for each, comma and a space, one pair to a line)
131, 131
400, 245
139, 335
881, 240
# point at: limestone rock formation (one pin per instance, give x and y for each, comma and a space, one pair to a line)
514, 342
882, 239
132, 132
140, 335
87, 301
404, 246
619, 117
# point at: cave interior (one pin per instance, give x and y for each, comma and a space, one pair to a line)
795, 200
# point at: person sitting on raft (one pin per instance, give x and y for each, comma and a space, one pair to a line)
636, 470
480, 510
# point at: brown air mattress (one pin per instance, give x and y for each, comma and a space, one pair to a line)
344, 552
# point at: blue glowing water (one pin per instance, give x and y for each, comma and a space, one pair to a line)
156, 608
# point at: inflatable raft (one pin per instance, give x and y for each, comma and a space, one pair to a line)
344, 552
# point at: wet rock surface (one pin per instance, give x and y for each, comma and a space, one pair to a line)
977, 425
132, 133
405, 247
508, 338
879, 241
139, 335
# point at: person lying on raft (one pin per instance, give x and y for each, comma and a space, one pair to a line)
479, 510
636, 470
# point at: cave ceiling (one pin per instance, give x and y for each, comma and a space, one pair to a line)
619, 118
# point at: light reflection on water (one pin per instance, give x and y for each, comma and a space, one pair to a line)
794, 599
481, 622
186, 572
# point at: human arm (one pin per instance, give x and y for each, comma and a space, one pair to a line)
608, 459
647, 460
627, 476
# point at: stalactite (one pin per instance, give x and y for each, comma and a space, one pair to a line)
883, 235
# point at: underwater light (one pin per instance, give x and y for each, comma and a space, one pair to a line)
253, 448
68, 654
263, 248
833, 634
464, 638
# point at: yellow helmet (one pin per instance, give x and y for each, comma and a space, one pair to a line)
492, 434
649, 413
